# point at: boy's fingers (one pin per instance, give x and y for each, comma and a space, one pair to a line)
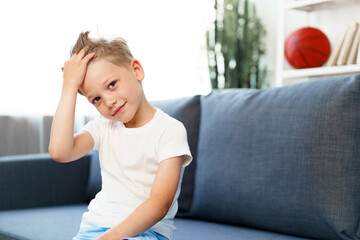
82, 52
85, 48
89, 56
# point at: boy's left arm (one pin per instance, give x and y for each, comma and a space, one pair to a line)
153, 209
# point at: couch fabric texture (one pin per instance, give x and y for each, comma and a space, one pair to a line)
290, 157
279, 163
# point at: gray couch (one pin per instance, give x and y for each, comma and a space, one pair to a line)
281, 163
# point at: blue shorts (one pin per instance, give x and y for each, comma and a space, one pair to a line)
94, 233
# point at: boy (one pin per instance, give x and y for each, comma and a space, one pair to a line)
142, 150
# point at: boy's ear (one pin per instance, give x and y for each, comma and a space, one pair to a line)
135, 65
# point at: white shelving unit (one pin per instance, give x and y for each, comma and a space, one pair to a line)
305, 5
283, 74
321, 71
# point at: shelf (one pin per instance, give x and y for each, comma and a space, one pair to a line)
305, 5
284, 74
321, 71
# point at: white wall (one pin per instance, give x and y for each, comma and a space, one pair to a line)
168, 37
268, 12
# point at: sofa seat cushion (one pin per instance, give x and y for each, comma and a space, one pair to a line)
201, 230
55, 223
282, 159
62, 223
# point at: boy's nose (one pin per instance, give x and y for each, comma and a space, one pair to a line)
110, 102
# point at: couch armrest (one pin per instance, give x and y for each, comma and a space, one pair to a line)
35, 180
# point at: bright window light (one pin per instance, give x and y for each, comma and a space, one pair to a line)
168, 37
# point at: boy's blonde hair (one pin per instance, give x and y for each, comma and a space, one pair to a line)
115, 51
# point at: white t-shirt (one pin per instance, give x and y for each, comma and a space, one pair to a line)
129, 160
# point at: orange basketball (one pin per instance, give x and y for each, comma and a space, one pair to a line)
307, 47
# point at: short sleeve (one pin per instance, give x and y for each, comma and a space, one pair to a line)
173, 143
94, 128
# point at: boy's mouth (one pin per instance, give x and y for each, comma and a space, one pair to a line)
119, 109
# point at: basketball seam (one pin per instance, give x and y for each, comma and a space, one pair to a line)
313, 38
315, 50
306, 39
301, 55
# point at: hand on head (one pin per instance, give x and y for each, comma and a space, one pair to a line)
74, 69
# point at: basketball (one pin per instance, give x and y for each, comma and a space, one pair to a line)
307, 48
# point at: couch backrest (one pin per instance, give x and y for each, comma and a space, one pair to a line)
282, 159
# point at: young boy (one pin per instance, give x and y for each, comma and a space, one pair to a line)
142, 150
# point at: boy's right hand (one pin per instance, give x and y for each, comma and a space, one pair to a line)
75, 68
63, 145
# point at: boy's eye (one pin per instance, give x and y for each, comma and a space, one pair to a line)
95, 100
112, 84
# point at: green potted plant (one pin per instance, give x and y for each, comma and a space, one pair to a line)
235, 46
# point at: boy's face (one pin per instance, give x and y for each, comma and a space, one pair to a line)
115, 91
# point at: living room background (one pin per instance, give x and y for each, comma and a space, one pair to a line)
167, 37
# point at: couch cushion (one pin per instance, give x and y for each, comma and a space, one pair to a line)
55, 223
282, 159
186, 110
62, 222
187, 229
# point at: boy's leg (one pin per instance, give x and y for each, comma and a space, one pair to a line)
89, 233
148, 235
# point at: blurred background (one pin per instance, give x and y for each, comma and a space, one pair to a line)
168, 37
